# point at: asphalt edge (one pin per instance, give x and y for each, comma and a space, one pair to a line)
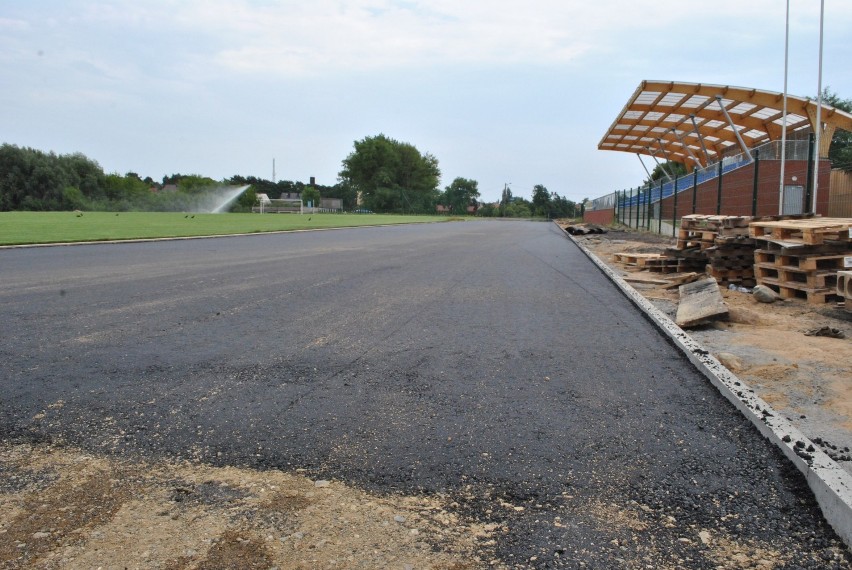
830, 484
209, 236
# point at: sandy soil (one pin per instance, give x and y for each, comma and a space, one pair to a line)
806, 378
62, 508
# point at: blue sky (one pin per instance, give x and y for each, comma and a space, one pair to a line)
499, 91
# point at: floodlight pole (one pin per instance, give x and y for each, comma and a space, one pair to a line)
781, 184
818, 126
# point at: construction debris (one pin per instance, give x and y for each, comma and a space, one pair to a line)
583, 229
844, 287
764, 294
829, 332
700, 303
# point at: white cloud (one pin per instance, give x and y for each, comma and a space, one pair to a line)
11, 24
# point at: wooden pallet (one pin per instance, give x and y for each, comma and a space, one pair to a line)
687, 265
662, 265
814, 231
696, 235
738, 263
637, 259
828, 248
794, 276
797, 291
686, 253
715, 223
735, 241
729, 274
807, 262
692, 243
719, 251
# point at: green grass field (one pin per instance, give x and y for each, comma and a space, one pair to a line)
18, 228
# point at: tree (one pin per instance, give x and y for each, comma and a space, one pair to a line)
195, 183
311, 197
840, 151
562, 207
518, 208
541, 201
505, 199
487, 211
462, 193
391, 176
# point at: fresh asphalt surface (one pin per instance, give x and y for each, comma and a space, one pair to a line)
489, 361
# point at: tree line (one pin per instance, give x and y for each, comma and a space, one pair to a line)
381, 174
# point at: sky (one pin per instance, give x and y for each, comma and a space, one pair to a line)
499, 91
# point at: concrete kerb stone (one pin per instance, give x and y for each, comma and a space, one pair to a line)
831, 485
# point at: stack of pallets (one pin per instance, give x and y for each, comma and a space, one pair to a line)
800, 258
722, 243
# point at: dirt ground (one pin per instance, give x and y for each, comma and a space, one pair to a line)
62, 508
806, 378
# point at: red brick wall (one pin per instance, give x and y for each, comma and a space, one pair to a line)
738, 186
600, 217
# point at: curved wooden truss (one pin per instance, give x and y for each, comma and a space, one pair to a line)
694, 123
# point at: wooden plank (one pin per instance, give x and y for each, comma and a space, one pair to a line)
678, 280
645, 280
700, 302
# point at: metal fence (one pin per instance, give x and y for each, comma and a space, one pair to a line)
738, 185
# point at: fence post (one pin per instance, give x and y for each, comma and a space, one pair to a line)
660, 202
756, 179
694, 189
674, 208
638, 201
719, 191
648, 211
810, 182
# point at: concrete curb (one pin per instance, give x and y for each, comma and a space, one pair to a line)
831, 485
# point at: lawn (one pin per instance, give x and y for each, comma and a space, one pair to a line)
54, 227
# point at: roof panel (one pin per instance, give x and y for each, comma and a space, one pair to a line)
742, 108
647, 97
671, 99
695, 101
648, 115
764, 113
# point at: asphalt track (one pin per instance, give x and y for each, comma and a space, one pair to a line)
488, 361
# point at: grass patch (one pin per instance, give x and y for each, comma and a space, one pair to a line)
17, 228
